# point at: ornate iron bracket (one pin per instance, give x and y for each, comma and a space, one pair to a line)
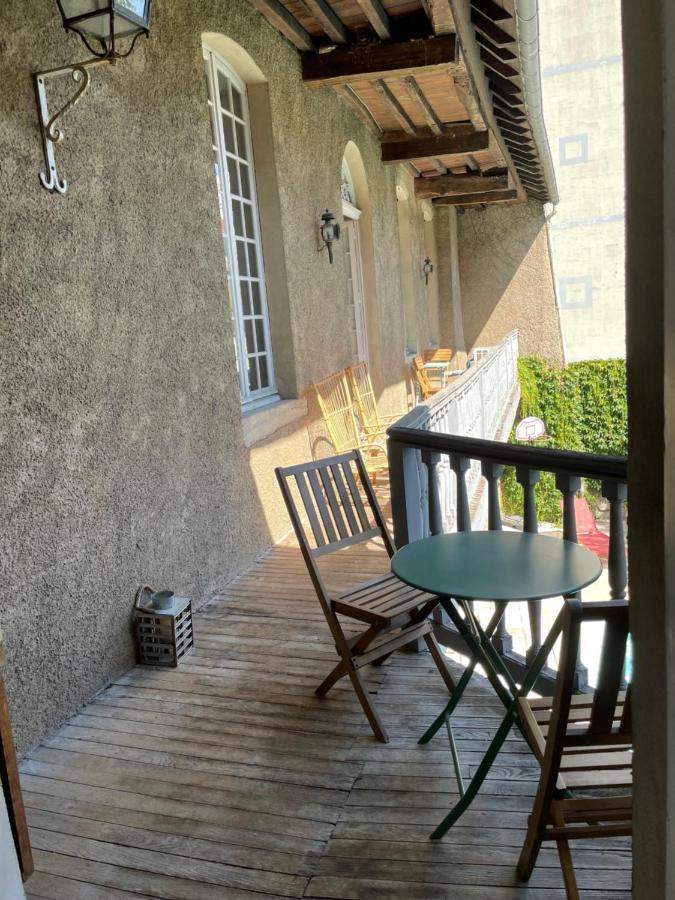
51, 133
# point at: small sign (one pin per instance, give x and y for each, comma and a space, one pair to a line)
530, 429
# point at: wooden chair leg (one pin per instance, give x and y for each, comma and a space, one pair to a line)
530, 851
332, 678
440, 660
567, 867
379, 730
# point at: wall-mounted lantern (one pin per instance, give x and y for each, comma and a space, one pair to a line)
101, 24
330, 232
427, 269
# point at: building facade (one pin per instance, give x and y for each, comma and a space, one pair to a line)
163, 321
582, 77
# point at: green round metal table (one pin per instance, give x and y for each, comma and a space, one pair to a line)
501, 567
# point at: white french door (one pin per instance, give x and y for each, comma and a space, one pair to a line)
352, 247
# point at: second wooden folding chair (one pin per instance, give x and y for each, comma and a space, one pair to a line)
584, 743
373, 423
336, 499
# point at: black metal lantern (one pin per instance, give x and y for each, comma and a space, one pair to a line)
98, 22
330, 232
105, 22
427, 269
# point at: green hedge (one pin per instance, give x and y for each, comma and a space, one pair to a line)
583, 407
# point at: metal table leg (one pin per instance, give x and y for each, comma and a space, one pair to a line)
479, 643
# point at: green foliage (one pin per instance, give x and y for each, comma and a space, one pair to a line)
583, 406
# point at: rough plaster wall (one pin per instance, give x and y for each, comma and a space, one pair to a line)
447, 270
421, 319
121, 452
506, 280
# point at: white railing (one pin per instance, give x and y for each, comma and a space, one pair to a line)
481, 403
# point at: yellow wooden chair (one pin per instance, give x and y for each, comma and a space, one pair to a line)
437, 355
427, 386
335, 403
372, 422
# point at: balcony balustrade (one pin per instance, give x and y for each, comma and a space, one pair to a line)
445, 469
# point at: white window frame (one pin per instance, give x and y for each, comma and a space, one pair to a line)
250, 399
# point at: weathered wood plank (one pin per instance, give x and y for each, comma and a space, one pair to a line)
280, 18
476, 198
329, 21
447, 185
371, 61
454, 139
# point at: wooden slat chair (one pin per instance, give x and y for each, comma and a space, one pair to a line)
437, 355
337, 500
428, 386
335, 403
373, 423
584, 745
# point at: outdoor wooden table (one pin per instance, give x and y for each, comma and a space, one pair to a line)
501, 567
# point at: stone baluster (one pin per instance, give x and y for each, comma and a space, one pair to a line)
529, 478
616, 493
492, 472
568, 485
460, 465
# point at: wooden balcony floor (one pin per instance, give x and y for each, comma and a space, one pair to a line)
228, 778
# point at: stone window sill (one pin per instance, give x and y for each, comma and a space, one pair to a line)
260, 424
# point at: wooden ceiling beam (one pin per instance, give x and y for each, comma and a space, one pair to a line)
474, 199
510, 88
507, 112
450, 185
508, 127
377, 16
349, 95
329, 21
418, 97
501, 52
425, 144
440, 15
280, 18
496, 34
371, 61
497, 65
492, 10
509, 99
395, 107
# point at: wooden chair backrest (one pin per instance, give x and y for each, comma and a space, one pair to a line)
340, 508
362, 391
607, 718
335, 403
336, 500
422, 377
439, 355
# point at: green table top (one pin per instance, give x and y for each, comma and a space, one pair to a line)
496, 565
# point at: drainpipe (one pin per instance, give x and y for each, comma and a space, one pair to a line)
527, 31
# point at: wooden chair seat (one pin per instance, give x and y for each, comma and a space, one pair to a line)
381, 601
584, 744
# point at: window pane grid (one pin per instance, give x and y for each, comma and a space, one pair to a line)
240, 229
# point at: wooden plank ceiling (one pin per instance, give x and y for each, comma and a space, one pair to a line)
397, 63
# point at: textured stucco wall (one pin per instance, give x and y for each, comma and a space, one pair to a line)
506, 279
121, 450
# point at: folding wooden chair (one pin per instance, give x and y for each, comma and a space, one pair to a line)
338, 500
335, 403
427, 386
374, 425
584, 744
